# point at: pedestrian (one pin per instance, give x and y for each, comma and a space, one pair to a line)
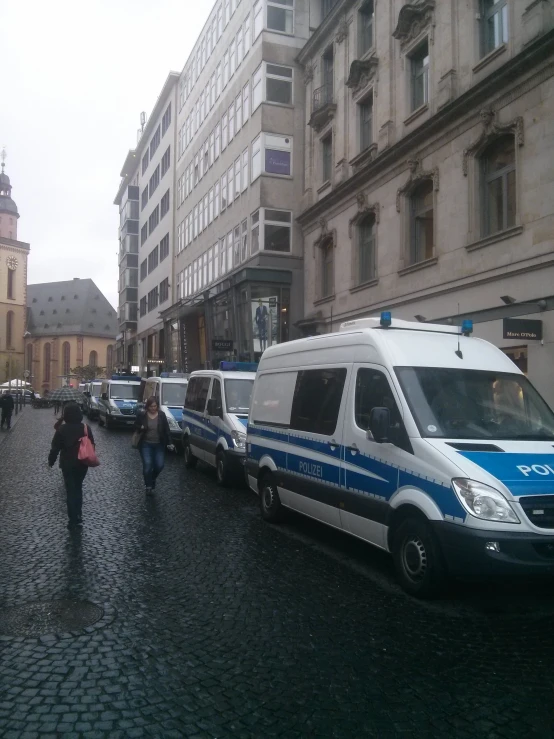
155, 437
57, 407
66, 443
7, 410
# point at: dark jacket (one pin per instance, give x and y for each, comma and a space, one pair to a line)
7, 403
163, 427
66, 444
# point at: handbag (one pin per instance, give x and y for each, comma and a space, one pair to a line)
87, 454
136, 439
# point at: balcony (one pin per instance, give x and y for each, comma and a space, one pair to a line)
127, 315
323, 107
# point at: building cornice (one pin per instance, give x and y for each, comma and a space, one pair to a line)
14, 244
483, 93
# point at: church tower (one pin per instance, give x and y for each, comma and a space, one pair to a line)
13, 287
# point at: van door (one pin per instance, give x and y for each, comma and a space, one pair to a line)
312, 480
199, 430
371, 470
214, 422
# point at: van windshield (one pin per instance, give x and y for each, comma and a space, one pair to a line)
173, 393
237, 395
124, 392
473, 404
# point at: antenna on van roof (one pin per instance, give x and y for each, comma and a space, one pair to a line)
458, 351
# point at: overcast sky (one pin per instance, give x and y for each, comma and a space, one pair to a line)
75, 77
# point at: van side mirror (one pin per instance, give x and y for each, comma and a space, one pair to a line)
104, 396
379, 424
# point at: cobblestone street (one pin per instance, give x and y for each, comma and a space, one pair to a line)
214, 624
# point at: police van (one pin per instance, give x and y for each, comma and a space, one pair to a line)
92, 393
170, 390
418, 438
119, 397
215, 417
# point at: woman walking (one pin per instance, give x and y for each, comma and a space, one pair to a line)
154, 439
66, 443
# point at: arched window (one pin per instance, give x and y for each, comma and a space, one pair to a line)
422, 229
93, 359
109, 358
498, 169
46, 367
66, 358
29, 364
366, 249
9, 329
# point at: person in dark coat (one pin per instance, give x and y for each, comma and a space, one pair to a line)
66, 444
155, 438
7, 410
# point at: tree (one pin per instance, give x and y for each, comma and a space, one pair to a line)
88, 372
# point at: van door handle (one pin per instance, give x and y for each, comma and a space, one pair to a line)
353, 448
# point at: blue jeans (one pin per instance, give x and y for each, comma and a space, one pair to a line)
153, 460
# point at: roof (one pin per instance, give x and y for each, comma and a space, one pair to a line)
70, 307
7, 205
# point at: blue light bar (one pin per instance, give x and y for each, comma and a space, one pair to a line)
386, 319
126, 377
467, 327
238, 366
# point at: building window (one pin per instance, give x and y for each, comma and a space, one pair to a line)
256, 158
166, 120
166, 160
153, 299
366, 123
244, 170
30, 359
245, 102
109, 358
328, 72
327, 158
144, 198
327, 268
9, 329
47, 357
230, 188
258, 18
164, 204
231, 122
278, 84
421, 223
143, 270
494, 15
244, 241
66, 358
237, 176
11, 284
164, 247
366, 250
224, 131
327, 6
145, 162
366, 16
154, 181
238, 111
164, 290
280, 15
225, 69
255, 229
236, 247
257, 92
224, 192
419, 65
143, 306
216, 199
155, 142
217, 140
93, 359
154, 219
277, 230
498, 164
153, 260
143, 234
210, 205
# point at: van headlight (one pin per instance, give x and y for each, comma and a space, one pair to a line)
239, 439
483, 501
173, 425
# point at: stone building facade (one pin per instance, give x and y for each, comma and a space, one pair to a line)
429, 176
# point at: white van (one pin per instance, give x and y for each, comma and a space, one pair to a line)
423, 441
215, 418
92, 393
119, 397
170, 391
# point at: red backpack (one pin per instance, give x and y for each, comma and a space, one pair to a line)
87, 454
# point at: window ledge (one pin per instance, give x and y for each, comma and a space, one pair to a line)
364, 285
325, 185
327, 299
419, 111
494, 54
417, 266
494, 238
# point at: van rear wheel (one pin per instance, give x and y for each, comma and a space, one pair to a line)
418, 559
271, 507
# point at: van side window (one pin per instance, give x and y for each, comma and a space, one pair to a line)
216, 393
374, 391
197, 393
317, 399
272, 401
192, 393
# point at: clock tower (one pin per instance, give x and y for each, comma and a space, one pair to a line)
13, 287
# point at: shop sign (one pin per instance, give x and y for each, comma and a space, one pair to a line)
184, 347
522, 328
273, 302
222, 345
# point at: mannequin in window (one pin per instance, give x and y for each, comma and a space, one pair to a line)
261, 323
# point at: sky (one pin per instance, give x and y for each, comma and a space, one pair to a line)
75, 78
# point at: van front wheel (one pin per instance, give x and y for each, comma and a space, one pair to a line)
270, 503
418, 559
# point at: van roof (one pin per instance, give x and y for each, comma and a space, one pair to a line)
223, 375
167, 380
404, 344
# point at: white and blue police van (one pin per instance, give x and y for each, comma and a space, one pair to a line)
119, 397
92, 392
420, 439
215, 418
170, 390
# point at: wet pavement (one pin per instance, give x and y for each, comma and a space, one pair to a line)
187, 616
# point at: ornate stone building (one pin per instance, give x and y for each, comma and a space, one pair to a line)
13, 284
429, 175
